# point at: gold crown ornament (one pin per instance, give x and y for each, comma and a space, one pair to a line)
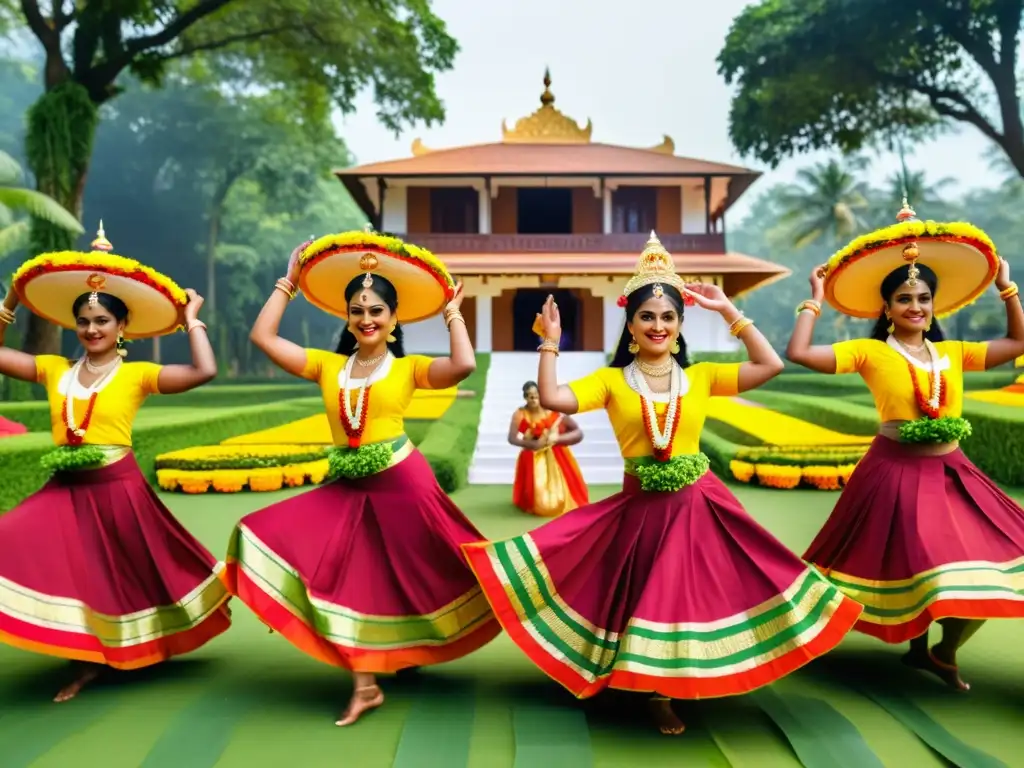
656, 268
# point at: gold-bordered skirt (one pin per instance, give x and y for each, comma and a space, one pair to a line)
917, 537
366, 574
679, 593
94, 567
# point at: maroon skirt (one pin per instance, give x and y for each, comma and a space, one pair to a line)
679, 593
919, 538
95, 568
365, 574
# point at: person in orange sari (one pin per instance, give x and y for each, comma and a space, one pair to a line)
548, 480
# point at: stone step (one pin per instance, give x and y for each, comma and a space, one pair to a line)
502, 460
599, 474
493, 441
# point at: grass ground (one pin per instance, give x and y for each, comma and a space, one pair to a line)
249, 699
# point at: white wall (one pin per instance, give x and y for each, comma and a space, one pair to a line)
483, 341
614, 319
705, 331
427, 337
693, 210
396, 217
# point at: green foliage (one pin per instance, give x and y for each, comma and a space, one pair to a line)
20, 455
803, 456
828, 412
362, 462
451, 440
242, 461
817, 74
730, 432
947, 429
68, 458
672, 475
720, 451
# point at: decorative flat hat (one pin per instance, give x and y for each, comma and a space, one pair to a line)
329, 263
50, 283
963, 258
654, 268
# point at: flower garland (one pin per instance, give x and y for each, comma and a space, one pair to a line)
361, 462
353, 421
930, 405
907, 232
391, 246
69, 458
661, 433
76, 434
73, 261
673, 474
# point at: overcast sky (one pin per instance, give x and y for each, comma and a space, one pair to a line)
639, 70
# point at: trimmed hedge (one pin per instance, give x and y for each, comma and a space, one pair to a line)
811, 383
450, 441
997, 445
19, 456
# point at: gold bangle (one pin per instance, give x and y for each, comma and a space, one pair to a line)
287, 283
1009, 292
546, 347
284, 290
740, 326
737, 322
196, 324
6, 316
811, 305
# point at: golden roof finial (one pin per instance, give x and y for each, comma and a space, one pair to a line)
547, 98
906, 212
655, 266
101, 243
547, 125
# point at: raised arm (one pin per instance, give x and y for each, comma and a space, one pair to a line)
286, 355
448, 371
181, 378
819, 358
571, 432
17, 365
1010, 347
552, 396
764, 362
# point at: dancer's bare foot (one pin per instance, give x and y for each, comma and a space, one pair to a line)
363, 699
69, 692
937, 663
665, 718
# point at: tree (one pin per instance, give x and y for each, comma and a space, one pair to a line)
313, 53
843, 74
828, 203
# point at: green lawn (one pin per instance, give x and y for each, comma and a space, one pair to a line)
249, 699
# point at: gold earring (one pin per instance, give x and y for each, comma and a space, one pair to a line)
120, 345
633, 347
391, 334
892, 325
675, 346
929, 326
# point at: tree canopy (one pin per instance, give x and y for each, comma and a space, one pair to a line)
844, 74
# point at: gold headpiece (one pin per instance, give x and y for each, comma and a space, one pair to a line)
910, 250
369, 263
96, 282
654, 268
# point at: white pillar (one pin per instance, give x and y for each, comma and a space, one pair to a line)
484, 213
395, 210
484, 341
614, 319
607, 220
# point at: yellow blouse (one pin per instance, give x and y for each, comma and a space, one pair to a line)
117, 401
391, 390
887, 373
607, 388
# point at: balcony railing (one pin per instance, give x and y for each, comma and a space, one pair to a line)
617, 243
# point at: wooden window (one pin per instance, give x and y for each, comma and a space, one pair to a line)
634, 209
454, 211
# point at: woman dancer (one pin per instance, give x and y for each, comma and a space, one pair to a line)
919, 533
548, 481
93, 567
669, 586
366, 572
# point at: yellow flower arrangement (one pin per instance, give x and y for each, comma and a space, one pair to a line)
823, 478
774, 428
779, 475
235, 480
370, 240
743, 471
117, 265
822, 467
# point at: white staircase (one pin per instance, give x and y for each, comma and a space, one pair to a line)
494, 460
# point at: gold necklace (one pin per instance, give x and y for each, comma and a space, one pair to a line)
371, 361
910, 348
657, 371
101, 368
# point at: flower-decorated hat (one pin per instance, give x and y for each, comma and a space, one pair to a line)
329, 263
654, 268
962, 256
50, 283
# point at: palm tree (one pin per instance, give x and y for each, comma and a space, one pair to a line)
15, 200
828, 202
918, 190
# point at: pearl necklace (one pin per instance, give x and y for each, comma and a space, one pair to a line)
355, 416
935, 378
659, 438
657, 371
371, 361
910, 348
91, 390
91, 367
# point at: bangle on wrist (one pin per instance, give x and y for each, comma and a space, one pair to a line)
195, 324
1009, 292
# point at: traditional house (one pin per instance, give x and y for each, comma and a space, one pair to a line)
548, 210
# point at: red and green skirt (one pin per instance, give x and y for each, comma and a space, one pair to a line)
681, 594
365, 574
920, 538
95, 568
